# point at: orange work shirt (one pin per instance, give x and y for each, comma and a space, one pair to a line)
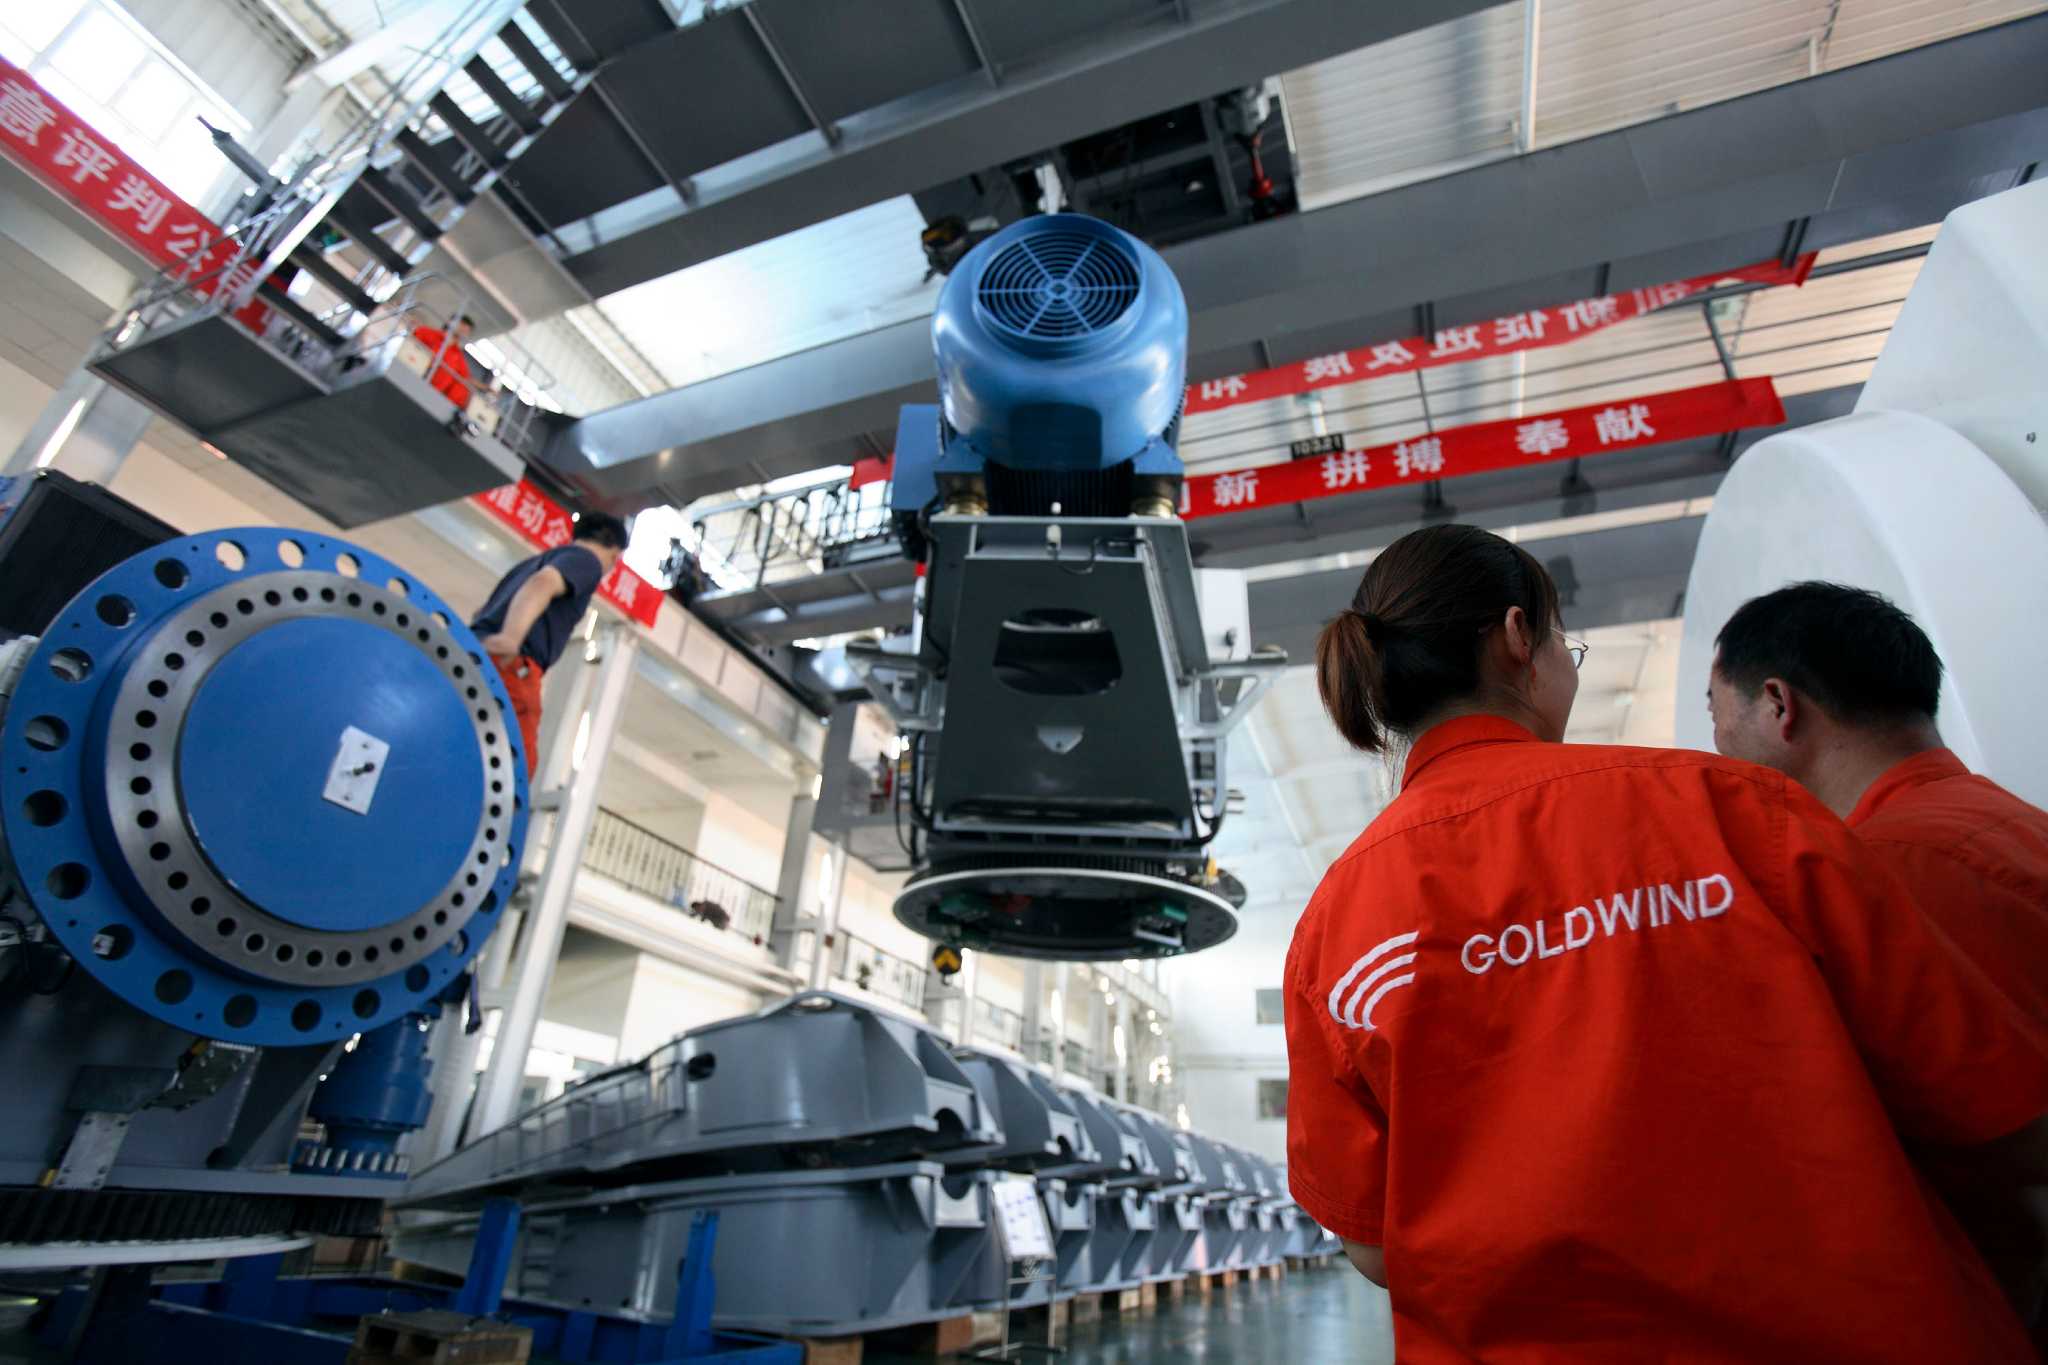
454, 362
1606, 1048
1976, 858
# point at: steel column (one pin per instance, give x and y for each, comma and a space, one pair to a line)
542, 944
85, 430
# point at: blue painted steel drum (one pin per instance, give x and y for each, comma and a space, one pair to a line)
1061, 344
263, 785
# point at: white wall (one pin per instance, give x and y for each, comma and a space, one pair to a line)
668, 998
1220, 1048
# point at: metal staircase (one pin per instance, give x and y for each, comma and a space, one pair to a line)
324, 386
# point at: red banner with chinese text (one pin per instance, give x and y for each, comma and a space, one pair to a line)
1681, 414
1453, 345
539, 520
67, 154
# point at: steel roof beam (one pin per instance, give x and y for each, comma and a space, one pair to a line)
1869, 149
1622, 574
967, 126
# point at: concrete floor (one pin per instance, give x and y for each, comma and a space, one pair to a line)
1327, 1315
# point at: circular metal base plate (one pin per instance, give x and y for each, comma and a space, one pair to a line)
174, 818
1065, 914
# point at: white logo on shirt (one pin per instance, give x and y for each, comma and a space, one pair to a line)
1353, 997
1632, 911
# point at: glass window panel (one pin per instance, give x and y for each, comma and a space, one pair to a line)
155, 98
99, 55
35, 24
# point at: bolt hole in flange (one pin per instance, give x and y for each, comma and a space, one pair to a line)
114, 609
231, 555
172, 574
46, 733
44, 808
71, 665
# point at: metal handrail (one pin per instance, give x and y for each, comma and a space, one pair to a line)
873, 968
994, 1024
645, 862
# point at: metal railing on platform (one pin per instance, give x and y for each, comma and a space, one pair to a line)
647, 863
750, 541
994, 1024
872, 968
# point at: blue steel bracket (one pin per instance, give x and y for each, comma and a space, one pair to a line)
166, 813
497, 1234
689, 1335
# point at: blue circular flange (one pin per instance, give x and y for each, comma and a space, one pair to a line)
54, 813
251, 774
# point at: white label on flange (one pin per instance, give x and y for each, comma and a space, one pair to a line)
352, 781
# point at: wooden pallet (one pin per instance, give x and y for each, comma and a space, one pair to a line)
1134, 1300
1215, 1280
923, 1340
1275, 1271
433, 1336
1173, 1289
1084, 1308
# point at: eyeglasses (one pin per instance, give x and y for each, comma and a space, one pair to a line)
1576, 648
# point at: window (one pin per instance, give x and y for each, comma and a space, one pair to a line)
114, 75
1272, 1097
1271, 1011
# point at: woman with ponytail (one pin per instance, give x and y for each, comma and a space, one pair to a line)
1605, 1054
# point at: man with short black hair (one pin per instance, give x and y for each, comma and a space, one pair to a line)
1837, 688
526, 622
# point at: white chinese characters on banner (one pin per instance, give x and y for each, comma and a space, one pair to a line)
1519, 328
84, 158
1424, 455
624, 588
1317, 369
191, 243
24, 113
1237, 490
1457, 341
1230, 386
1345, 469
1584, 315
532, 513
1389, 353
1542, 436
505, 499
136, 195
1631, 423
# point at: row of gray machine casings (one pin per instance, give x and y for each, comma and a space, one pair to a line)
892, 1222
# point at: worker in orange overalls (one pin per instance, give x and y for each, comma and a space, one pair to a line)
1837, 688
1602, 1054
447, 376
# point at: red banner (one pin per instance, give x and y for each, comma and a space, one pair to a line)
64, 152
1453, 345
1682, 414
539, 520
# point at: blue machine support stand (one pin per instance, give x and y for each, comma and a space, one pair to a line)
696, 1290
251, 1316
484, 1286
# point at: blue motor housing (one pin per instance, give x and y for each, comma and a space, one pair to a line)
1062, 359
263, 786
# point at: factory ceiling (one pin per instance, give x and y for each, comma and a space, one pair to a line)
1844, 156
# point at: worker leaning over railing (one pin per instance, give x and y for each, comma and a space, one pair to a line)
526, 622
1604, 1054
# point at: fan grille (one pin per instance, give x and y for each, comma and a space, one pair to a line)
1056, 286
